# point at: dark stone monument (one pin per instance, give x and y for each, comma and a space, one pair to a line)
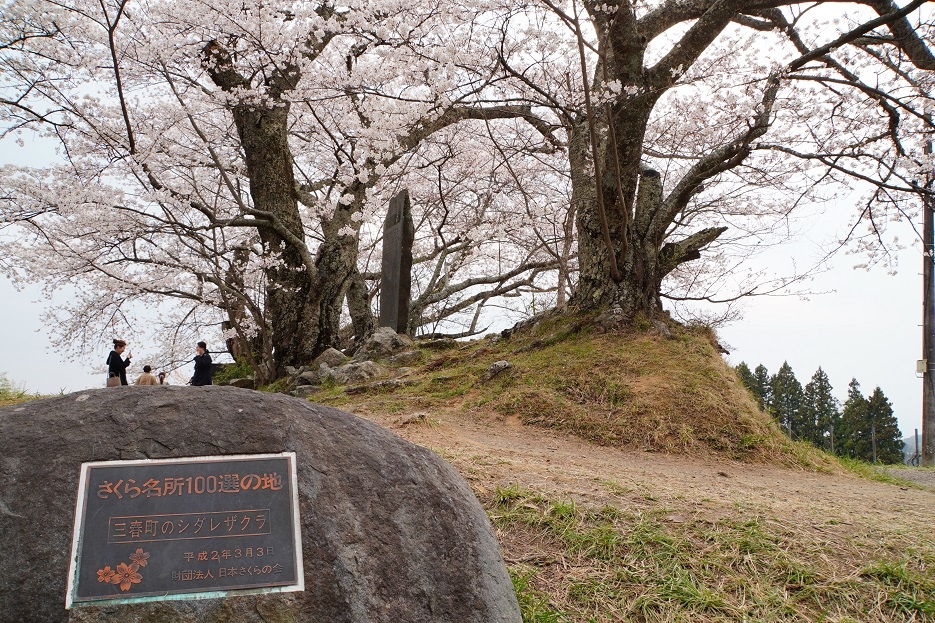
396, 271
389, 531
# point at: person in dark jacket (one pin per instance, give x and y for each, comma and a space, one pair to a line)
202, 366
117, 367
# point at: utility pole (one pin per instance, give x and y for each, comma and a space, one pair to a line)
928, 319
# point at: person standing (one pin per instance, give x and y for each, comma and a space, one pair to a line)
202, 366
162, 379
147, 378
116, 366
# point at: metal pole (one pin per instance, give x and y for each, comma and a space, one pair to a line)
928, 322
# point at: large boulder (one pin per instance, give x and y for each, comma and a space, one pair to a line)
390, 532
383, 343
332, 357
355, 372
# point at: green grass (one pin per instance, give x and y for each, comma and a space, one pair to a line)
228, 372
610, 564
11, 394
533, 604
277, 386
910, 586
873, 472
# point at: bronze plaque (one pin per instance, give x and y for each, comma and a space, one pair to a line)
186, 529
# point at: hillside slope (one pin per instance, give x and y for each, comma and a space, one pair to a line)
631, 478
636, 388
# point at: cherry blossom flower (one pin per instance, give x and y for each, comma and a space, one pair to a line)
105, 575
139, 557
127, 576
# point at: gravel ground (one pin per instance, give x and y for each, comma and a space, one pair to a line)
923, 476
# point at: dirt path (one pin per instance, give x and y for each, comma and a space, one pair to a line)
493, 453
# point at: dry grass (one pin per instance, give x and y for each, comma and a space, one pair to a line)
602, 565
665, 395
624, 389
11, 394
667, 550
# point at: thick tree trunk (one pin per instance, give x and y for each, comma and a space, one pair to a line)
595, 288
291, 296
623, 219
636, 258
337, 265
632, 240
358, 304
292, 289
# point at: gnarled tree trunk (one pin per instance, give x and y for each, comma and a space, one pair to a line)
337, 267
623, 216
293, 285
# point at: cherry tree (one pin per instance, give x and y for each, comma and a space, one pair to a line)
235, 158
493, 229
700, 126
226, 155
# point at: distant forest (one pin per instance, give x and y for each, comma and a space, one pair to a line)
862, 428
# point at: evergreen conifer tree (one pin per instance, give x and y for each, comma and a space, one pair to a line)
746, 377
761, 388
889, 444
820, 411
786, 400
854, 439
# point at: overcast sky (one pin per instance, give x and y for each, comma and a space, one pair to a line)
869, 328
863, 324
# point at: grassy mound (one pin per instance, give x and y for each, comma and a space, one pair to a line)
638, 389
632, 388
